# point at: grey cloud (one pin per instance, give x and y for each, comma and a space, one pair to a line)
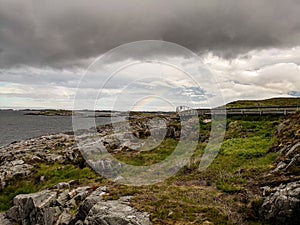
69, 33
34, 76
294, 93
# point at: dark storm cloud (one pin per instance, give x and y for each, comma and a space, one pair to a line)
66, 33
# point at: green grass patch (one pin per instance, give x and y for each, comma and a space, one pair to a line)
149, 157
245, 148
231, 184
241, 128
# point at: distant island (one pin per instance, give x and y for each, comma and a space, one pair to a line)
47, 112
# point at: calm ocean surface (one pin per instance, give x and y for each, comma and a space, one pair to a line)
15, 126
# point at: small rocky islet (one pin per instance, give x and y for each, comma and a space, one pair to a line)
273, 196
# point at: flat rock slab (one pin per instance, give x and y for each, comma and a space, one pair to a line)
116, 212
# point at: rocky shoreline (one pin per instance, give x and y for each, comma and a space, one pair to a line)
54, 206
70, 203
18, 159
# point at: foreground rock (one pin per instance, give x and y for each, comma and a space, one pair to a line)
65, 206
283, 205
281, 186
116, 212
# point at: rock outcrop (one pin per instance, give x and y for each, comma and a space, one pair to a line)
282, 206
18, 159
66, 206
281, 186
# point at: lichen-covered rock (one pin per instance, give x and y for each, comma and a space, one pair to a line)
282, 206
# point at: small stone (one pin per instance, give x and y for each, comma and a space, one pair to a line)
17, 162
62, 185
72, 193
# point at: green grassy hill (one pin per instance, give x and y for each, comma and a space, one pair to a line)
273, 102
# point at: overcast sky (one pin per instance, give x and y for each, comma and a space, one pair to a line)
251, 47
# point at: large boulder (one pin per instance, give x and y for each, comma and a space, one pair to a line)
37, 208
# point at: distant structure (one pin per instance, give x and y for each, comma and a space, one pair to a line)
186, 111
182, 108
